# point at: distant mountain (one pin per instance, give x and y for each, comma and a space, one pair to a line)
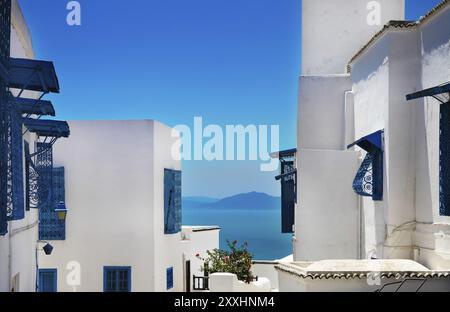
196, 201
246, 201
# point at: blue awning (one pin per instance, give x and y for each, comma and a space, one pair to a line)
32, 75
445, 88
371, 142
35, 107
47, 128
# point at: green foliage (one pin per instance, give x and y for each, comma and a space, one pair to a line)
237, 261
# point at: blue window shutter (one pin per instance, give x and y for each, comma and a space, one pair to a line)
444, 160
169, 278
47, 280
288, 197
18, 203
116, 279
50, 227
27, 175
172, 201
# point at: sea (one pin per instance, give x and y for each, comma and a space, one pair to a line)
261, 229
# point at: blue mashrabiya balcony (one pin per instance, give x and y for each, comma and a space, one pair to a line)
16, 112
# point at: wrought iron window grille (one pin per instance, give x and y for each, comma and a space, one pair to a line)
368, 181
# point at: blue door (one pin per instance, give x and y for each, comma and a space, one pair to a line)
47, 280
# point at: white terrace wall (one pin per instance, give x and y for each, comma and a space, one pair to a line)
382, 77
400, 62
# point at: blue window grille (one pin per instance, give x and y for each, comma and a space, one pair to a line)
369, 178
50, 227
172, 201
116, 279
47, 280
444, 160
169, 278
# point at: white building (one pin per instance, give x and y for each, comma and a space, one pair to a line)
356, 75
122, 187
18, 245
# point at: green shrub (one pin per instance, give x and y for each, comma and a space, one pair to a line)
237, 260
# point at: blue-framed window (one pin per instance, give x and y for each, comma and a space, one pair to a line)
50, 227
444, 160
116, 279
172, 201
169, 278
369, 178
48, 280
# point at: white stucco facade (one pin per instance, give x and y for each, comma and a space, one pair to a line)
17, 247
333, 30
114, 182
337, 108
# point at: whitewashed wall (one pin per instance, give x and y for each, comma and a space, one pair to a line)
110, 197
321, 111
332, 31
114, 181
433, 231
17, 248
198, 240
326, 220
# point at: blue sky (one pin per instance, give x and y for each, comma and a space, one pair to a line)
229, 61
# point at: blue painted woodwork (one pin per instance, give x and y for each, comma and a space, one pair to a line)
50, 227
47, 128
369, 178
429, 92
35, 107
5, 35
172, 201
444, 160
288, 196
26, 149
169, 278
35, 75
116, 279
17, 204
48, 280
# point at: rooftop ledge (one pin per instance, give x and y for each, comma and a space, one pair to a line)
347, 269
200, 228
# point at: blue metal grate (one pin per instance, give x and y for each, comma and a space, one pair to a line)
369, 178
5, 34
172, 201
444, 160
